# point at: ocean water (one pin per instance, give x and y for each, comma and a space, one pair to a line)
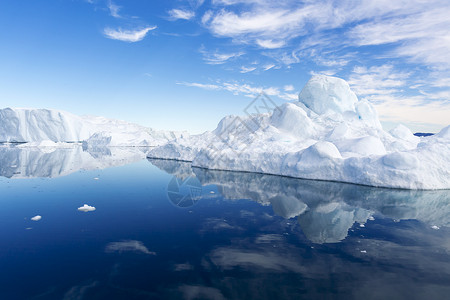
164, 230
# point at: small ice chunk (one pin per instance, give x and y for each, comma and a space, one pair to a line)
371, 218
36, 218
435, 227
362, 225
96, 178
86, 208
363, 251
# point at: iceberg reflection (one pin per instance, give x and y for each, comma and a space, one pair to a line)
325, 210
18, 162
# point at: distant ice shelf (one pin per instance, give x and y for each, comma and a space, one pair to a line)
328, 134
54, 128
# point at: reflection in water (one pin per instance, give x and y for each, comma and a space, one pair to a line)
325, 210
137, 245
17, 162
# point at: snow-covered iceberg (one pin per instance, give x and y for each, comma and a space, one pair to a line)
53, 128
328, 134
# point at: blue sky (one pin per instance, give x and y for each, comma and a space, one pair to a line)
183, 65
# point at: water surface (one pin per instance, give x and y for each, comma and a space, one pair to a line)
164, 230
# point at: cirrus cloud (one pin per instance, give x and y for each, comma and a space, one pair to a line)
130, 36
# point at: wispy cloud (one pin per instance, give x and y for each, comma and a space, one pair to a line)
385, 87
177, 14
245, 69
377, 80
127, 35
217, 58
243, 89
268, 67
288, 88
113, 9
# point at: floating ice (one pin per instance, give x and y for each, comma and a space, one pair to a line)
328, 134
53, 128
86, 208
36, 218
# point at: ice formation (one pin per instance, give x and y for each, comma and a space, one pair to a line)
86, 208
53, 128
36, 218
328, 134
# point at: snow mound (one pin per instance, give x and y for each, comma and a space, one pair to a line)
50, 128
327, 135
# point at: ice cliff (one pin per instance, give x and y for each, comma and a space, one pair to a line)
328, 134
41, 127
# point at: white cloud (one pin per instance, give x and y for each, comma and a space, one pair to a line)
268, 67
242, 89
245, 69
424, 35
127, 35
288, 88
113, 9
270, 44
422, 28
201, 85
384, 87
377, 80
177, 14
128, 246
216, 58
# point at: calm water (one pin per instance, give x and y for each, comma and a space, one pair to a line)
164, 230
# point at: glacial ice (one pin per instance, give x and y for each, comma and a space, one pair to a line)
53, 128
328, 134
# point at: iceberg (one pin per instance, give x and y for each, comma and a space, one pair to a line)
328, 134
36, 218
86, 208
54, 128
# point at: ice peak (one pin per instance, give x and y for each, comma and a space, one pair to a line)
326, 94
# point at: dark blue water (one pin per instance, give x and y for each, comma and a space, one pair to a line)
164, 230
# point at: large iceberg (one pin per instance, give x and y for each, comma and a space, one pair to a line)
47, 127
328, 134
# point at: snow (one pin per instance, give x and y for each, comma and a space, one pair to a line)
36, 218
86, 208
328, 134
54, 128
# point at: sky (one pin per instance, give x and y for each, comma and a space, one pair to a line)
185, 64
